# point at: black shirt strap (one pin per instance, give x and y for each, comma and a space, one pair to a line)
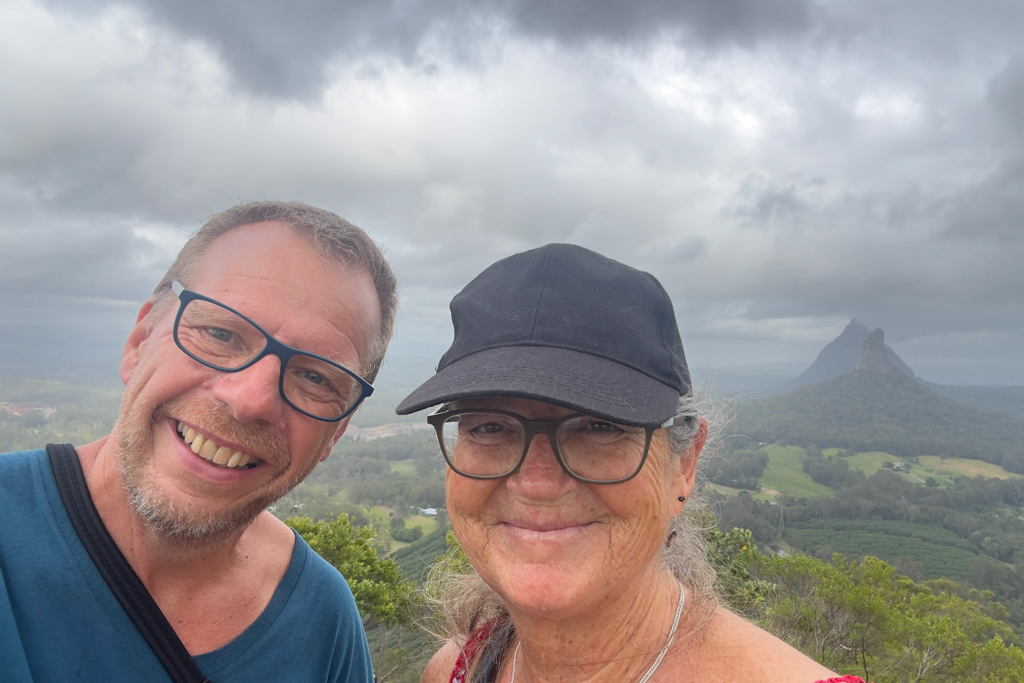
124, 583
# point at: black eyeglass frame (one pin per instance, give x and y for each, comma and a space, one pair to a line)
531, 428
273, 347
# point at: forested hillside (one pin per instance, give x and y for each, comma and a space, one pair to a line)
868, 411
971, 531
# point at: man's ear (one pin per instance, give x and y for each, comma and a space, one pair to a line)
136, 338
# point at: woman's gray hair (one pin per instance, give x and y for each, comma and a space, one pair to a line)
462, 601
687, 554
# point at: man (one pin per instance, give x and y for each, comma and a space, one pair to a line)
241, 373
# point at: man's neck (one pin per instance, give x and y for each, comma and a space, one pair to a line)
149, 552
209, 591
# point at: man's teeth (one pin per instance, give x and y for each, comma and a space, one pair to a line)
209, 449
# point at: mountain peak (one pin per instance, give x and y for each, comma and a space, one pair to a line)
856, 327
872, 356
841, 355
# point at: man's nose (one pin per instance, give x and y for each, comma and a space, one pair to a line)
253, 393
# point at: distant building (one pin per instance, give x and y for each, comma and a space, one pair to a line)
429, 512
900, 467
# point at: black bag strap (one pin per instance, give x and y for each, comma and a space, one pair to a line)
124, 583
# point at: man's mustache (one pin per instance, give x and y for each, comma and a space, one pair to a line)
256, 438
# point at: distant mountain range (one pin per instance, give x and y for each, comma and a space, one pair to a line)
879, 405
840, 356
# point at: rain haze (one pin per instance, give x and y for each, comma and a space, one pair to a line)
782, 166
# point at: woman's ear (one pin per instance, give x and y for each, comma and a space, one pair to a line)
688, 465
136, 339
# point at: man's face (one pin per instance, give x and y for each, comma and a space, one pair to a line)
273, 276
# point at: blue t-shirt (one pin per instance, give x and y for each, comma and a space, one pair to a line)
59, 622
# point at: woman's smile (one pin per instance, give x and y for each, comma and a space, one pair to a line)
546, 532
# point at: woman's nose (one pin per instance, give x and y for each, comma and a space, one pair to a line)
541, 475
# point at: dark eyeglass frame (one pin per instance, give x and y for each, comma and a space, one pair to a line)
532, 428
273, 347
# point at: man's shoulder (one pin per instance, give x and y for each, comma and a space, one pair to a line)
321, 577
25, 459
17, 468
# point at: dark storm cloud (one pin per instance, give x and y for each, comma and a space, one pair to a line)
780, 166
280, 49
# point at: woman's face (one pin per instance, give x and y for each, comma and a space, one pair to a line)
554, 546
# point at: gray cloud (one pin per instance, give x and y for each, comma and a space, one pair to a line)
282, 49
781, 167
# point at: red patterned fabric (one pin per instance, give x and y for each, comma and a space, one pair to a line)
469, 650
478, 637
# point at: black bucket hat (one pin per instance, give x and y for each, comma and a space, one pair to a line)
565, 325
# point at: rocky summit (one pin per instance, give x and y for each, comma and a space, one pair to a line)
842, 354
872, 354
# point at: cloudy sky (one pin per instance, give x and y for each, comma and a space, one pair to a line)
781, 165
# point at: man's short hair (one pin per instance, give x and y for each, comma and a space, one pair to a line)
330, 235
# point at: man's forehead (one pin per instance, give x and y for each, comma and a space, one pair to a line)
274, 272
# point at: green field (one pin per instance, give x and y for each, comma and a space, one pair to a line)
938, 551
380, 515
416, 559
785, 474
428, 524
404, 467
944, 471
730, 492
962, 467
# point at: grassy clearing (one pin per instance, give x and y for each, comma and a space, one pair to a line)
963, 467
380, 517
428, 524
785, 473
944, 471
404, 467
730, 491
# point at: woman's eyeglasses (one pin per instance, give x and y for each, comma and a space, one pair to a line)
491, 444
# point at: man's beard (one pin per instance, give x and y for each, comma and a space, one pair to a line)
175, 520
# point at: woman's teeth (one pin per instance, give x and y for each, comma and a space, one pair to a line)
208, 449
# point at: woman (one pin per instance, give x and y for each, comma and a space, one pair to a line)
571, 434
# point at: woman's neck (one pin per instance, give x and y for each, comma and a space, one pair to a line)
618, 641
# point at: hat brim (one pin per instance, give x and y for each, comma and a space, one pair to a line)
573, 379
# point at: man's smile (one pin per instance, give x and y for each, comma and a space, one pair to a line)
208, 449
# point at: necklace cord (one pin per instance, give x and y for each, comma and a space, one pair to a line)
661, 655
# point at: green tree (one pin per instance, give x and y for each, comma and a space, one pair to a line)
381, 594
866, 617
731, 554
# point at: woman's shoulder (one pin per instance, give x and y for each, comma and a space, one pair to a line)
457, 655
735, 649
439, 669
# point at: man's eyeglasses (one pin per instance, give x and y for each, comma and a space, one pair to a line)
222, 338
491, 444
